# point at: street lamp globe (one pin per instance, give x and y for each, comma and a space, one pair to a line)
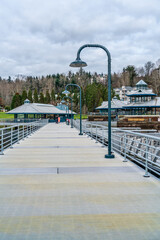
63, 101
78, 63
66, 92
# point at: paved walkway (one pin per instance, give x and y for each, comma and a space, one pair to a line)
92, 198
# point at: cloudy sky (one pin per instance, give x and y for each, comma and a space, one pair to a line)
42, 36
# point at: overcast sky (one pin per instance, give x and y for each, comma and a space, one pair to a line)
40, 37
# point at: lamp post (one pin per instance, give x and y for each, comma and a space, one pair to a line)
79, 63
80, 102
68, 109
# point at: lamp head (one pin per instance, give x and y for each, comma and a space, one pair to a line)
66, 92
78, 63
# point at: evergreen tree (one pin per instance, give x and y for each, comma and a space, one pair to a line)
9, 79
35, 96
41, 99
132, 74
52, 95
24, 96
16, 101
48, 97
30, 96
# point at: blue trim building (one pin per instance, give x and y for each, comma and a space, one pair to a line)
140, 101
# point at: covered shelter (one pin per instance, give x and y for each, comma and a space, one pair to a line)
38, 110
116, 107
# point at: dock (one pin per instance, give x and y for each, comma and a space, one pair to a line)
57, 185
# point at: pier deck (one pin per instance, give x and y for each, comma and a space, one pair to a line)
58, 185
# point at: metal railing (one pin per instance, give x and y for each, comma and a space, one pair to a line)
13, 134
17, 120
142, 148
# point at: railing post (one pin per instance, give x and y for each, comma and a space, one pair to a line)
91, 132
96, 134
125, 150
23, 130
18, 135
11, 137
102, 136
1, 153
146, 165
27, 130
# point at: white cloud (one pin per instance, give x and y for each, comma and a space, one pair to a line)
42, 37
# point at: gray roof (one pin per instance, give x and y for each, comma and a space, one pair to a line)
153, 103
37, 108
115, 104
141, 82
147, 92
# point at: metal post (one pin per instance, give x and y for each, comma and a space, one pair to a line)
18, 135
11, 137
125, 146
72, 84
27, 131
71, 115
96, 134
102, 136
91, 132
23, 131
146, 165
80, 63
1, 153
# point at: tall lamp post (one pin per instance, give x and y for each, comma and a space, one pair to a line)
80, 102
79, 63
68, 108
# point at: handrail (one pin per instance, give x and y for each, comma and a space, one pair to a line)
14, 133
138, 147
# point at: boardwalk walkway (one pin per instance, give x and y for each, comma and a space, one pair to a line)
57, 185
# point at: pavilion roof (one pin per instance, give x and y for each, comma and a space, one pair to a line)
141, 82
36, 108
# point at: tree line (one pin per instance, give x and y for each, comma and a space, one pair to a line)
48, 89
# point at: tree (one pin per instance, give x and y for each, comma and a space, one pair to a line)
30, 96
9, 79
75, 101
52, 95
16, 101
41, 99
148, 67
48, 97
35, 96
24, 96
132, 74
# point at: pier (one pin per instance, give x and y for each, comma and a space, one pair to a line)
57, 185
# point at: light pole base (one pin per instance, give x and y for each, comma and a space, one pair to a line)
80, 133
109, 156
146, 175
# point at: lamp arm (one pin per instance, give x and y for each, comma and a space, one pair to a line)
93, 45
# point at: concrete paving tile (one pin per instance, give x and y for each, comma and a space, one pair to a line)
91, 197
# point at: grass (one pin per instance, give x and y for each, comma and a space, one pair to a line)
5, 115
84, 116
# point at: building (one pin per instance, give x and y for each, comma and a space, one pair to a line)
140, 100
121, 92
38, 110
116, 107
